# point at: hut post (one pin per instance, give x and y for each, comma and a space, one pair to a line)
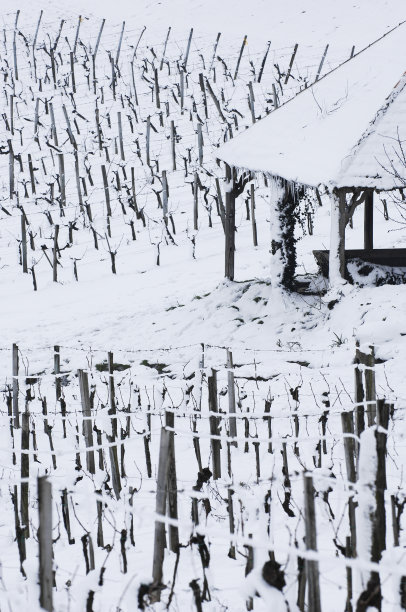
337, 237
277, 263
369, 220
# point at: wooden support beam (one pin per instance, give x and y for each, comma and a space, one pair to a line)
369, 220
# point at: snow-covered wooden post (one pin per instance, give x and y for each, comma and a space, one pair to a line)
337, 237
277, 196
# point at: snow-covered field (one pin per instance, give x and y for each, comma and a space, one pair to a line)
294, 351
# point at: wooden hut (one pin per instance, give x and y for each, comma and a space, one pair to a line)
347, 133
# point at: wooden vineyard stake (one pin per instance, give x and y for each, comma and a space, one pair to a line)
173, 146
115, 470
187, 49
370, 391
87, 420
58, 386
156, 86
24, 242
261, 72
16, 411
65, 515
231, 397
312, 567
11, 169
160, 507
34, 45
200, 142
45, 543
229, 224
195, 203
120, 135
214, 425
120, 43
55, 255
292, 59
253, 220
321, 63
350, 461
251, 101
72, 71
165, 196
244, 42
62, 185
249, 566
15, 46
25, 471
172, 486
214, 51
164, 51
268, 419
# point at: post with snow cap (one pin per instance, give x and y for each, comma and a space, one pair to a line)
337, 237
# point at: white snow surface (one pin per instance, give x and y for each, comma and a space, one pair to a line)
343, 130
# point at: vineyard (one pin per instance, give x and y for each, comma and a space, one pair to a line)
198, 471
108, 143
203, 446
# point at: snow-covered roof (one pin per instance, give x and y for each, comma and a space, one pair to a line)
343, 131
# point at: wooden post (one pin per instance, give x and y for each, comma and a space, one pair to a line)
72, 71
156, 85
261, 72
120, 42
115, 470
312, 567
25, 471
106, 190
244, 42
160, 506
164, 51
292, 59
369, 220
165, 196
188, 49
45, 543
120, 135
87, 421
200, 142
173, 146
229, 224
214, 425
62, 184
172, 487
195, 203
253, 219
11, 169
15, 46
16, 411
347, 423
231, 396
55, 255
321, 63
337, 239
24, 242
